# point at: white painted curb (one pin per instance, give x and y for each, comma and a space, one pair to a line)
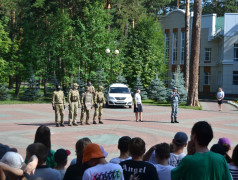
233, 103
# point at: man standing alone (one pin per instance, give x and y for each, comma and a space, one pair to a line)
58, 104
74, 103
175, 100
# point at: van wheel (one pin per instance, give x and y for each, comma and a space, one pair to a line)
129, 106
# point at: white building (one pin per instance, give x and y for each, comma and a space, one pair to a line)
218, 53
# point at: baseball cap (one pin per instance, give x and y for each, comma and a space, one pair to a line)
224, 141
92, 151
61, 155
75, 84
174, 88
180, 138
13, 159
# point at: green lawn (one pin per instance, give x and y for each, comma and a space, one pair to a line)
181, 105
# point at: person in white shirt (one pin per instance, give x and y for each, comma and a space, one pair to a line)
99, 167
124, 151
162, 154
178, 144
220, 97
138, 106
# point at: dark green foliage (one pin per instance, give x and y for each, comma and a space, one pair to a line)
157, 90
4, 93
32, 92
220, 7
145, 52
179, 83
139, 85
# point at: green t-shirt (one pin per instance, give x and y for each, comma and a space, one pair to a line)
202, 166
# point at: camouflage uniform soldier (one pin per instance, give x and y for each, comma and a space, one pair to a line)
86, 103
91, 87
99, 101
74, 104
58, 104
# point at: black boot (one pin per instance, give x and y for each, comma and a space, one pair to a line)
175, 120
172, 121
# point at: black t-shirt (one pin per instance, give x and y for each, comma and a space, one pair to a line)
138, 170
75, 172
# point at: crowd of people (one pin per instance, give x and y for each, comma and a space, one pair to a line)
164, 161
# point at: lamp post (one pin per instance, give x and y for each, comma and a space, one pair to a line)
116, 52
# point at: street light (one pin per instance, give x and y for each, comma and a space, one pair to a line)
116, 52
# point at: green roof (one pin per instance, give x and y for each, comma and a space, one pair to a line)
219, 23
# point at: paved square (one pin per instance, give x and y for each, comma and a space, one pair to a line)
18, 124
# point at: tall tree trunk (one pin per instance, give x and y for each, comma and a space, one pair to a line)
177, 4
12, 35
45, 87
18, 85
195, 55
186, 48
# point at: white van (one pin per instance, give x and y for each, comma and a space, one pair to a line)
119, 95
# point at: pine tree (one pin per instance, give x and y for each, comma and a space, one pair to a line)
179, 83
121, 79
99, 78
140, 86
81, 84
52, 84
157, 90
32, 92
4, 93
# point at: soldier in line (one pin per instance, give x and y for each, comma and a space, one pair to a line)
86, 105
99, 101
91, 87
174, 100
58, 104
74, 104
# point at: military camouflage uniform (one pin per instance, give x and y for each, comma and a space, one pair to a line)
74, 104
99, 100
58, 103
86, 103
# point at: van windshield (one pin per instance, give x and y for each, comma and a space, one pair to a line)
123, 90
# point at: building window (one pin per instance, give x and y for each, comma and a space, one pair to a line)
167, 45
182, 56
208, 54
236, 52
235, 78
175, 47
207, 77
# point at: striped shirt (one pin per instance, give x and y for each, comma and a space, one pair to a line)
234, 171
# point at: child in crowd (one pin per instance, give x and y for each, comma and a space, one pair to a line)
179, 143
204, 164
136, 168
162, 154
61, 158
233, 166
124, 152
226, 143
99, 167
42, 171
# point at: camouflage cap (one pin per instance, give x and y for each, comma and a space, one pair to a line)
75, 84
100, 87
